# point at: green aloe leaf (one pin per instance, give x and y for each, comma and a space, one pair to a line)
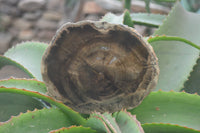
172, 38
128, 122
176, 59
148, 19
153, 20
127, 4
170, 107
124, 18
104, 120
147, 5
110, 122
5, 61
28, 84
97, 123
192, 85
38, 121
120, 122
127, 19
75, 117
166, 128
13, 104
112, 18
74, 129
28, 54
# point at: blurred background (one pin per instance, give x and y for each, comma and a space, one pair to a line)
38, 20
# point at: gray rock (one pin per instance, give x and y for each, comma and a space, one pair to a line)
12, 71
12, 2
22, 24
26, 34
13, 31
45, 24
46, 34
9, 10
31, 5
32, 15
52, 15
5, 40
110, 5
56, 5
5, 21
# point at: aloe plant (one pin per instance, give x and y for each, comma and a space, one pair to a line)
26, 107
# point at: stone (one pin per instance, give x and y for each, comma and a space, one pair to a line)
12, 71
52, 15
56, 5
26, 35
90, 7
22, 24
9, 10
45, 34
12, 2
31, 5
5, 21
45, 24
140, 29
13, 31
110, 5
32, 15
5, 41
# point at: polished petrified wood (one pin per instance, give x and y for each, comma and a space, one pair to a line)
97, 66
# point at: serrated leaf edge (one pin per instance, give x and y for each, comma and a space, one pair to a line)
19, 66
170, 125
106, 121
24, 43
19, 115
144, 22
190, 76
22, 79
166, 18
67, 128
99, 118
133, 117
73, 115
1, 80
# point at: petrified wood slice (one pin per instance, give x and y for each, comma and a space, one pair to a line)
97, 66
